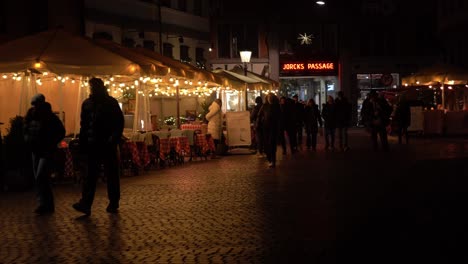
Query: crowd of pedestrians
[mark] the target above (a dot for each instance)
(277, 121)
(282, 121)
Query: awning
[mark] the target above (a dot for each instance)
(62, 53)
(239, 81)
(256, 76)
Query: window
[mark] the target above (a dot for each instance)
(166, 3)
(364, 44)
(102, 35)
(200, 58)
(184, 54)
(237, 37)
(2, 21)
(182, 5)
(128, 42)
(38, 16)
(167, 50)
(197, 7)
(148, 44)
(224, 49)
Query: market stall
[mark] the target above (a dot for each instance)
(236, 87)
(57, 65)
(448, 87)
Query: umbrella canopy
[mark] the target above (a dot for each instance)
(194, 73)
(188, 70)
(149, 65)
(62, 53)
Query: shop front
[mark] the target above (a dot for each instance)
(380, 82)
(309, 79)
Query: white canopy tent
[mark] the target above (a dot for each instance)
(58, 64)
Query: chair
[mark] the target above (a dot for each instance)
(190, 134)
(79, 166)
(126, 160)
(198, 146)
(154, 151)
(176, 133)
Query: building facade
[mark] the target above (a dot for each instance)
(452, 30)
(179, 29)
(382, 41)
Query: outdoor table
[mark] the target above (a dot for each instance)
(130, 152)
(180, 145)
(434, 122)
(191, 126)
(456, 122)
(143, 153)
(204, 143)
(164, 148)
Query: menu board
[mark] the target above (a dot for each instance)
(238, 128)
(417, 119)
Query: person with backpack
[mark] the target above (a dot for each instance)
(102, 124)
(43, 131)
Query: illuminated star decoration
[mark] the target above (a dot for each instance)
(305, 39)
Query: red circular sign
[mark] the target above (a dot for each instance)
(386, 79)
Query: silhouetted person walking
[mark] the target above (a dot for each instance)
(376, 114)
(43, 130)
(298, 119)
(329, 117)
(101, 129)
(258, 126)
(312, 120)
(343, 120)
(270, 114)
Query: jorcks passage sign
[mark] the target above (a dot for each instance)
(309, 68)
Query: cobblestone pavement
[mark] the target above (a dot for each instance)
(314, 207)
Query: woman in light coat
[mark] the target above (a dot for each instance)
(215, 122)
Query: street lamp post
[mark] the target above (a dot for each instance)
(245, 58)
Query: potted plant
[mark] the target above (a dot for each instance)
(18, 165)
(205, 109)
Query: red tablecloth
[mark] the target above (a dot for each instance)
(137, 152)
(143, 153)
(68, 166)
(179, 144)
(164, 147)
(205, 143)
(191, 126)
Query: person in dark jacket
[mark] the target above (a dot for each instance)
(312, 120)
(102, 124)
(343, 120)
(288, 125)
(329, 117)
(258, 126)
(376, 114)
(43, 131)
(270, 114)
(298, 119)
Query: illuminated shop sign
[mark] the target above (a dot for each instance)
(309, 68)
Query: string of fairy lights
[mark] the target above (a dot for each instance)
(124, 87)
